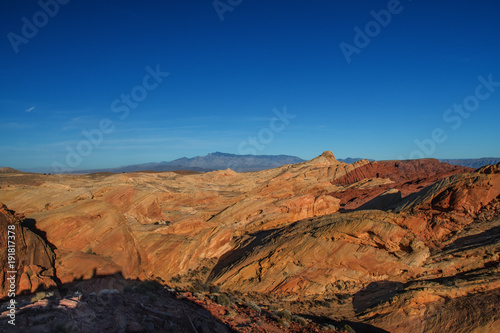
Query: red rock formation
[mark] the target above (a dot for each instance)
(452, 203)
(406, 176)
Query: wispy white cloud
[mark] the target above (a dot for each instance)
(29, 109)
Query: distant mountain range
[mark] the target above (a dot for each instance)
(217, 161)
(474, 163)
(243, 163)
(211, 162)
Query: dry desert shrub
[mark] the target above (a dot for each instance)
(38, 296)
(223, 300)
(253, 306)
(299, 320)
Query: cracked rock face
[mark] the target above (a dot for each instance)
(33, 258)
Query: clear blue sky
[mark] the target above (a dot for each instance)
(227, 76)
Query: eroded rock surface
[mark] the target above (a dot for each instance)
(386, 244)
(33, 259)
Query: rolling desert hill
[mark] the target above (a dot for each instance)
(9, 170)
(387, 246)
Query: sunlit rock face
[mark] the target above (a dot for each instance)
(375, 234)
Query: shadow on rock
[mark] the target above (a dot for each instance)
(473, 241)
(109, 304)
(375, 293)
(343, 324)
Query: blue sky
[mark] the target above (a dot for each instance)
(228, 79)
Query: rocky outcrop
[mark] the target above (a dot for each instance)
(321, 256)
(92, 238)
(33, 259)
(400, 171)
(372, 179)
(457, 288)
(442, 209)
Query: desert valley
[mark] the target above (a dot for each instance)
(250, 166)
(317, 246)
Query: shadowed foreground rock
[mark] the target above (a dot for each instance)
(34, 259)
(114, 304)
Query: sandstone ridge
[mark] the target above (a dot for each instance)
(350, 241)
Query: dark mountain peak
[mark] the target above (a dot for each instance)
(218, 153)
(239, 163)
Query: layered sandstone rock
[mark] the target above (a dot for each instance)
(91, 238)
(452, 203)
(134, 223)
(277, 232)
(33, 257)
(323, 255)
